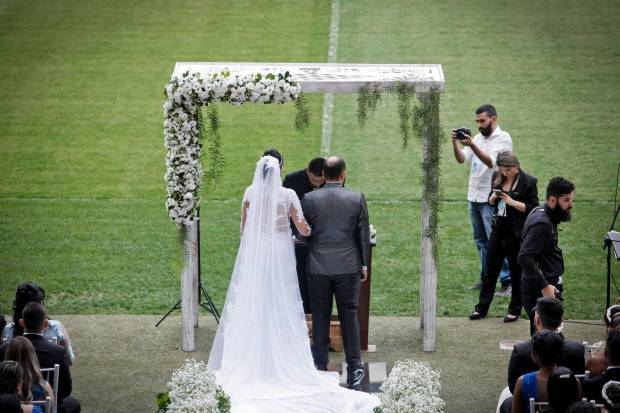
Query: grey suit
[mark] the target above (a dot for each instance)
(339, 247)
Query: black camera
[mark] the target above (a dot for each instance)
(462, 133)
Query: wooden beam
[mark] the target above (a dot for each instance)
(330, 77)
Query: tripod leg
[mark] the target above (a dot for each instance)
(174, 307)
(210, 305)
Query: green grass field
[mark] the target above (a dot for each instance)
(81, 139)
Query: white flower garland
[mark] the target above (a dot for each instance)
(411, 387)
(193, 389)
(184, 97)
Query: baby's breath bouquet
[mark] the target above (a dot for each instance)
(193, 390)
(411, 387)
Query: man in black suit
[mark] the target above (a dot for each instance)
(540, 257)
(34, 321)
(548, 315)
(304, 181)
(337, 263)
(592, 387)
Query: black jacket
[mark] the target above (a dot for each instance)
(525, 191)
(299, 182)
(540, 257)
(340, 238)
(521, 362)
(592, 387)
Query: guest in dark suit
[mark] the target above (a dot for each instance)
(592, 387)
(2, 322)
(514, 194)
(337, 263)
(548, 315)
(34, 321)
(304, 181)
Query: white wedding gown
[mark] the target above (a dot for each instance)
(261, 353)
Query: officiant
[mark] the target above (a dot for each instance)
(304, 181)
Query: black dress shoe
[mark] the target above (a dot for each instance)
(510, 318)
(354, 380)
(476, 315)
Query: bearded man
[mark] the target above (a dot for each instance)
(540, 257)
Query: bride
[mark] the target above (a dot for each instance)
(261, 353)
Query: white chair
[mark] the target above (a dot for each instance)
(54, 383)
(536, 407)
(582, 377)
(45, 404)
(591, 349)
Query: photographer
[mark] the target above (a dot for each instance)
(514, 194)
(540, 257)
(481, 151)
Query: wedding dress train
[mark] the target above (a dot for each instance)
(261, 353)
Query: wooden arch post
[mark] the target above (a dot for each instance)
(327, 78)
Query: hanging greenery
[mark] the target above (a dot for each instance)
(421, 120)
(425, 123)
(367, 100)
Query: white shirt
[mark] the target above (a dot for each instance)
(480, 175)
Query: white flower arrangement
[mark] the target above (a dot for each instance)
(184, 97)
(411, 387)
(193, 389)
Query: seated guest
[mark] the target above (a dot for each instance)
(9, 403)
(548, 315)
(33, 386)
(11, 382)
(34, 322)
(592, 387)
(546, 349)
(26, 293)
(597, 363)
(582, 406)
(563, 389)
(611, 396)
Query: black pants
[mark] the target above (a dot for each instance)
(346, 288)
(530, 295)
(502, 244)
(301, 254)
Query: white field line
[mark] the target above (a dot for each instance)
(328, 99)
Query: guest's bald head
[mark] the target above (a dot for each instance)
(334, 168)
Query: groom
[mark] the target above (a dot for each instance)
(336, 264)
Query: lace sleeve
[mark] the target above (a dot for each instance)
(296, 213)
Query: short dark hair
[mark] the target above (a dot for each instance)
(334, 169)
(315, 166)
(34, 316)
(547, 346)
(274, 152)
(10, 403)
(612, 347)
(562, 389)
(559, 186)
(488, 109)
(11, 375)
(550, 311)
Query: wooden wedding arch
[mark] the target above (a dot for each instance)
(327, 78)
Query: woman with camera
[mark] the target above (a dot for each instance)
(514, 194)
